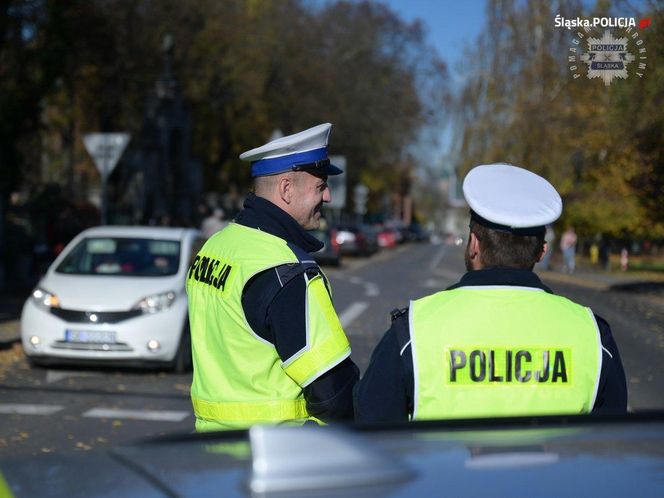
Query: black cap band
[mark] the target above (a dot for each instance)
(524, 231)
(323, 167)
(323, 163)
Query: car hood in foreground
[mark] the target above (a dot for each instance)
(107, 293)
(571, 456)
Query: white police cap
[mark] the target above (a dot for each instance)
(509, 198)
(303, 151)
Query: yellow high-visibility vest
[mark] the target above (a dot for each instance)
(239, 379)
(502, 351)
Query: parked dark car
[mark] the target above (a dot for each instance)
(415, 233)
(357, 240)
(330, 254)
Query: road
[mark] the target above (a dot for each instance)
(62, 410)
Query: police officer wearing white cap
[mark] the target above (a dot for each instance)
(498, 342)
(267, 344)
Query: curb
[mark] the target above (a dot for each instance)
(565, 278)
(604, 282)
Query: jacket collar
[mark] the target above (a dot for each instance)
(261, 214)
(501, 276)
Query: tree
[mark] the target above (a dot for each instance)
(246, 68)
(522, 105)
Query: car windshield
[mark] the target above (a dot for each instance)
(114, 256)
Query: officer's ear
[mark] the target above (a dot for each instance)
(473, 251)
(545, 247)
(285, 188)
(473, 244)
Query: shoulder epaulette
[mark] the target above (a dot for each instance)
(396, 312)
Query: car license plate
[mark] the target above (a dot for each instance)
(91, 336)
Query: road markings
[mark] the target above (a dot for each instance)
(432, 283)
(354, 264)
(352, 312)
(436, 260)
(161, 415)
(371, 289)
(454, 275)
(56, 375)
(25, 409)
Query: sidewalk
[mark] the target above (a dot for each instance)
(11, 304)
(594, 278)
(10, 333)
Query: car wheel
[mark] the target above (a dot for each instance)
(182, 363)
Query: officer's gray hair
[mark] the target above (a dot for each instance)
(265, 186)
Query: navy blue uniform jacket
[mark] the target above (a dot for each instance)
(274, 305)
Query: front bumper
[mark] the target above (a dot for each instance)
(130, 344)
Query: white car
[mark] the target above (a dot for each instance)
(114, 295)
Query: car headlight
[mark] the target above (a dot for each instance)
(155, 302)
(344, 236)
(45, 299)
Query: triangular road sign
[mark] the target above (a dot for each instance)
(106, 149)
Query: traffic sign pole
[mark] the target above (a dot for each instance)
(104, 178)
(106, 150)
(360, 194)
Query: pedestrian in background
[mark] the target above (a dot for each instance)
(267, 345)
(624, 259)
(568, 248)
(594, 253)
(498, 342)
(213, 223)
(550, 238)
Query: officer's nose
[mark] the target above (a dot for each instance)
(327, 195)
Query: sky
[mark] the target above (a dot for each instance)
(451, 25)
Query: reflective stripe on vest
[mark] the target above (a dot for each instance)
(502, 351)
(239, 377)
(266, 411)
(324, 350)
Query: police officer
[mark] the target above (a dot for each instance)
(267, 345)
(498, 342)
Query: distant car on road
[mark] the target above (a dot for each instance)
(415, 233)
(114, 295)
(388, 237)
(330, 254)
(453, 239)
(357, 240)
